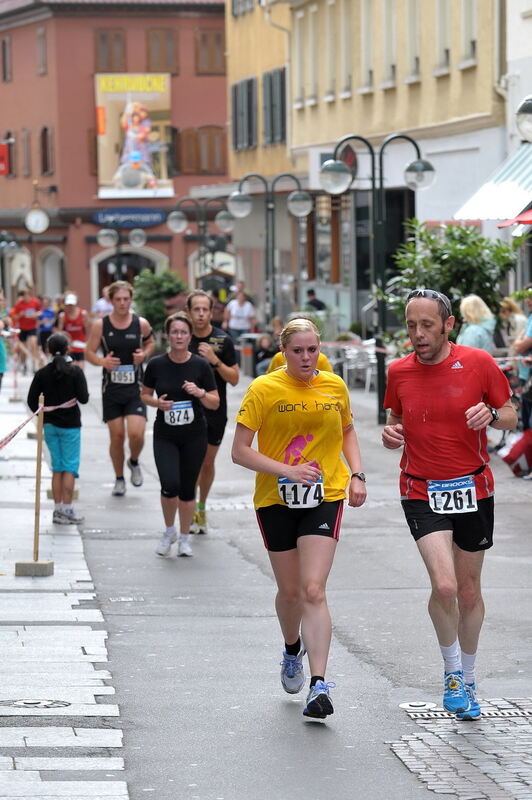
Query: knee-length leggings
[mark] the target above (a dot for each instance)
(179, 464)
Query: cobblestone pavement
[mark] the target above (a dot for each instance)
(486, 759)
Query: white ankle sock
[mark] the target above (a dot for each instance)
(58, 506)
(184, 537)
(170, 530)
(451, 657)
(468, 663)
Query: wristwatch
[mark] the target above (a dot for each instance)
(359, 475)
(494, 414)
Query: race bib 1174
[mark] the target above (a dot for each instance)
(300, 495)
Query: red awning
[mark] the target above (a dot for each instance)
(525, 218)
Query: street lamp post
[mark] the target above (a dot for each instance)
(336, 178)
(110, 237)
(177, 220)
(8, 244)
(299, 205)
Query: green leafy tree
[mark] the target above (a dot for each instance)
(453, 259)
(151, 290)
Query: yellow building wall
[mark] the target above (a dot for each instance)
(460, 101)
(254, 47)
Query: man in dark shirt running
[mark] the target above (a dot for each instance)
(216, 346)
(126, 341)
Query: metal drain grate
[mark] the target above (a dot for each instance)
(488, 712)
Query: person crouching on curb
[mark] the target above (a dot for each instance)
(60, 381)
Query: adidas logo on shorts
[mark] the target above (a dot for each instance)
(325, 527)
(484, 541)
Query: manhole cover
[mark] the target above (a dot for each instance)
(35, 703)
(417, 705)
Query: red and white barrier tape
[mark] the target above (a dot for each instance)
(69, 404)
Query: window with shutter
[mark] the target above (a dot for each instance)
(9, 138)
(189, 151)
(252, 112)
(26, 153)
(210, 52)
(42, 60)
(46, 151)
(162, 50)
(211, 148)
(7, 74)
(267, 108)
(234, 116)
(110, 50)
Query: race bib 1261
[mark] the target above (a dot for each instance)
(453, 496)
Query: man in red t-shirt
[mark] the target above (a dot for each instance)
(24, 314)
(441, 399)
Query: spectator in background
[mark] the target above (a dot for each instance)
(46, 321)
(24, 315)
(103, 305)
(218, 309)
(514, 321)
(313, 304)
(239, 318)
(522, 346)
(479, 324)
(266, 349)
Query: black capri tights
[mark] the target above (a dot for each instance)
(178, 465)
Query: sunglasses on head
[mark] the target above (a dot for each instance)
(432, 295)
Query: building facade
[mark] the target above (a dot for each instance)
(431, 69)
(111, 112)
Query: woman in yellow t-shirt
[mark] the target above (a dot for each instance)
(302, 418)
(278, 361)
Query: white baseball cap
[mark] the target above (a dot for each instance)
(70, 299)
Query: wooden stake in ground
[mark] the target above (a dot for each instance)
(36, 568)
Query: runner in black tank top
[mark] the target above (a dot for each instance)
(126, 340)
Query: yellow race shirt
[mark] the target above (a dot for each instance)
(278, 360)
(297, 423)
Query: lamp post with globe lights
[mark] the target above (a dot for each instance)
(336, 178)
(523, 118)
(111, 237)
(299, 204)
(178, 222)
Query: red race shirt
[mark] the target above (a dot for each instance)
(26, 313)
(432, 400)
(75, 327)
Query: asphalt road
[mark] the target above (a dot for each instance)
(194, 644)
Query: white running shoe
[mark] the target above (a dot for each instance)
(119, 488)
(72, 516)
(136, 473)
(59, 518)
(292, 672)
(184, 548)
(167, 540)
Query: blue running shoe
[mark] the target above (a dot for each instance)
(455, 697)
(473, 712)
(292, 672)
(319, 703)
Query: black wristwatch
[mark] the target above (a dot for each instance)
(359, 475)
(494, 414)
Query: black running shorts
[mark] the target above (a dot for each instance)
(215, 429)
(114, 407)
(472, 531)
(281, 526)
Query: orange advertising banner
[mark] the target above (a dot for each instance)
(100, 120)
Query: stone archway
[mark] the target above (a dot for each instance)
(124, 264)
(51, 271)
